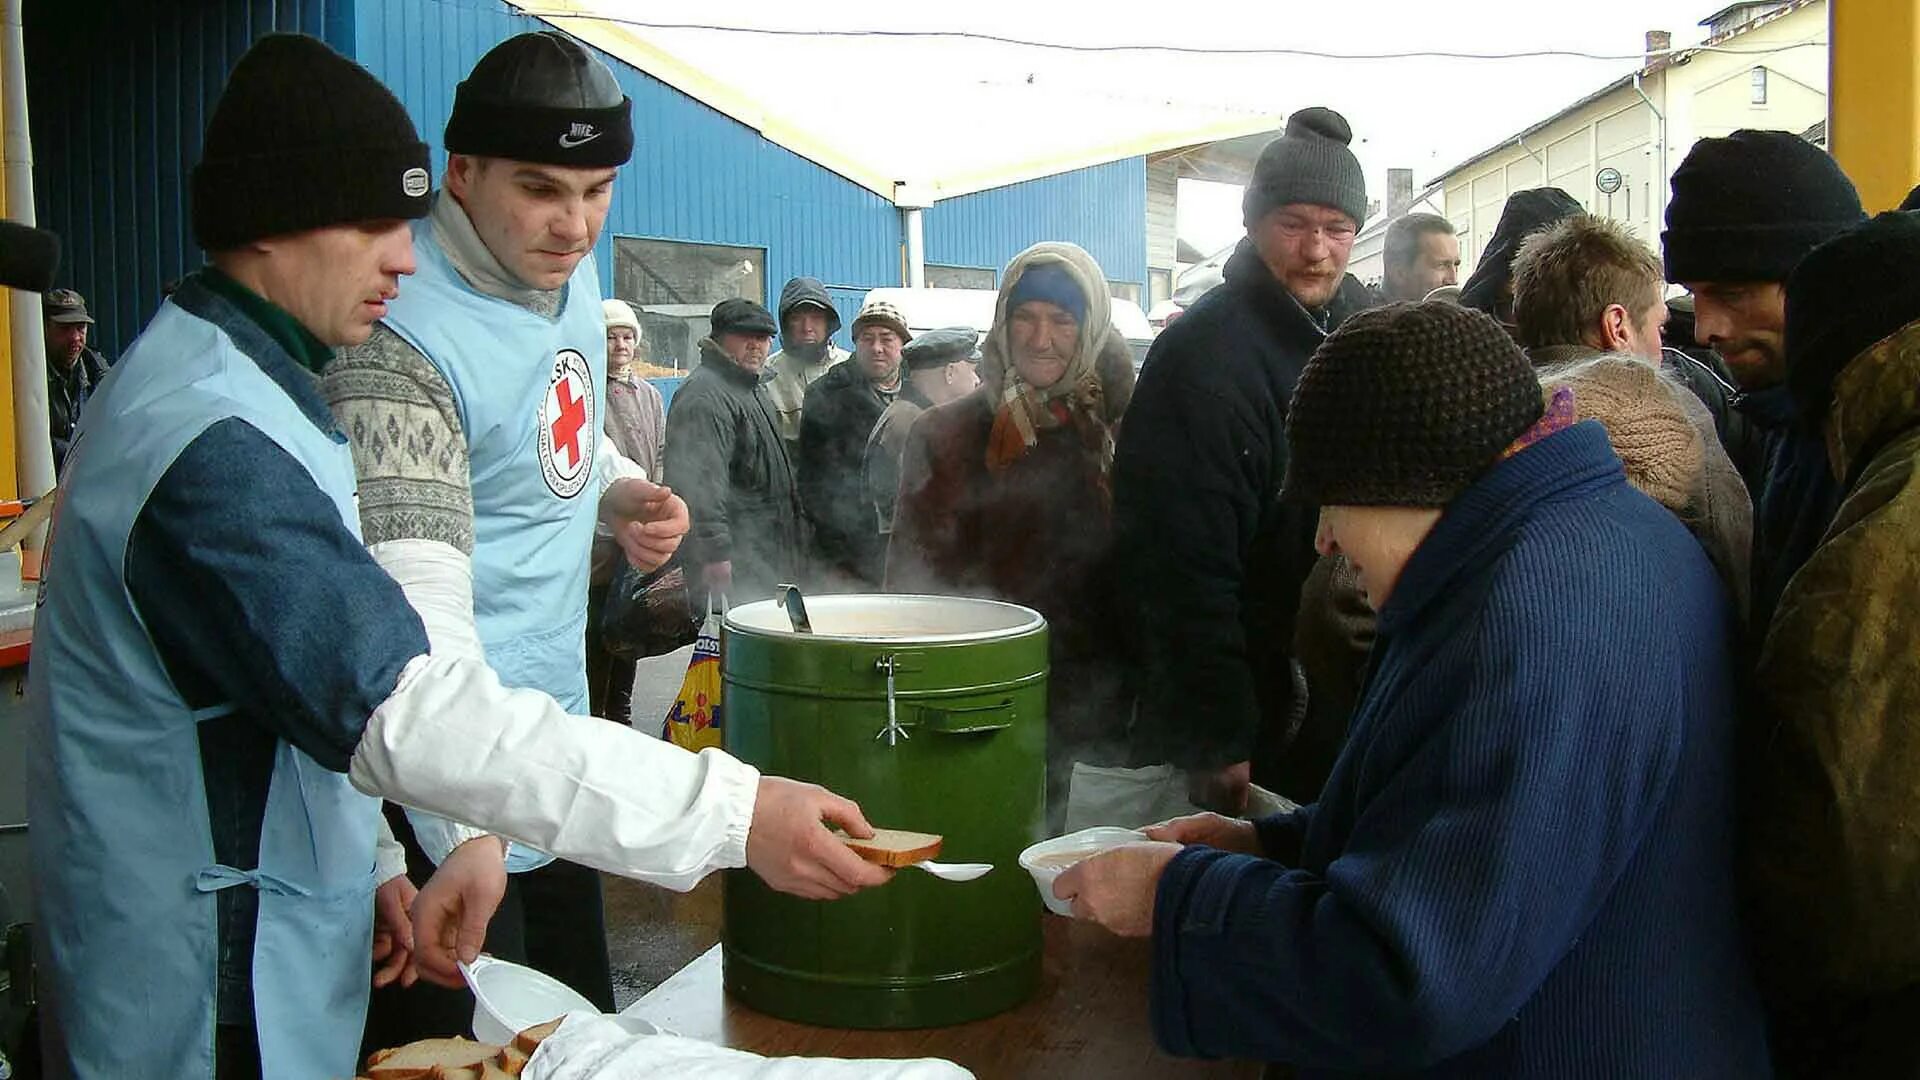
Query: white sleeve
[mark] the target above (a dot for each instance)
(453, 741)
(610, 466)
(437, 579)
(389, 858)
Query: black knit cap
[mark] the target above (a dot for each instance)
(1407, 405)
(303, 138)
(542, 97)
(1749, 206)
(1846, 295)
(738, 315)
(1309, 163)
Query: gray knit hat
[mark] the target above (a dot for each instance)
(1407, 405)
(1310, 163)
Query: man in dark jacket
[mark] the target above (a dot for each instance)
(726, 459)
(1210, 560)
(838, 414)
(73, 370)
(1832, 846)
(942, 366)
(1744, 210)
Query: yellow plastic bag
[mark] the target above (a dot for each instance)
(694, 721)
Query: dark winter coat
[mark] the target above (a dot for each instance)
(880, 467)
(1523, 863)
(1332, 639)
(67, 393)
(726, 459)
(1832, 831)
(1038, 535)
(840, 410)
(1795, 502)
(1209, 561)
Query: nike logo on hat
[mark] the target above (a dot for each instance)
(579, 135)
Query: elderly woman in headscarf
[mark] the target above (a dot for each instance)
(1005, 493)
(1522, 865)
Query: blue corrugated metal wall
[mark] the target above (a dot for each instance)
(118, 98)
(1102, 208)
(696, 174)
(117, 120)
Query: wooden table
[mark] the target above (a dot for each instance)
(1089, 1019)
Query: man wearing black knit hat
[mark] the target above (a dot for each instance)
(1744, 210)
(226, 682)
(1832, 849)
(1212, 561)
(475, 416)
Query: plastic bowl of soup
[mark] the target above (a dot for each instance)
(1048, 859)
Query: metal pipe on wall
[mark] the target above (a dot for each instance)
(916, 247)
(1657, 212)
(33, 450)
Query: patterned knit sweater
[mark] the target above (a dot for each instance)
(1522, 863)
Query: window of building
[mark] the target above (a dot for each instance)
(959, 277)
(1160, 285)
(1124, 290)
(1759, 85)
(673, 286)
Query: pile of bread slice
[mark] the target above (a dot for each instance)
(457, 1059)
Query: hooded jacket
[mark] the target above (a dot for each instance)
(731, 467)
(1833, 840)
(1526, 213)
(790, 375)
(1035, 532)
(1208, 560)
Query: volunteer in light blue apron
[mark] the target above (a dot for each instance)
(500, 334)
(225, 682)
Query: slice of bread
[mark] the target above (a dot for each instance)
(513, 1060)
(895, 847)
(529, 1040)
(430, 1057)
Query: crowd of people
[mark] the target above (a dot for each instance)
(1582, 646)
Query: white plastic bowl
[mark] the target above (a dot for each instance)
(509, 998)
(1086, 843)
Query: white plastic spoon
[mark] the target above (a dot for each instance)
(954, 871)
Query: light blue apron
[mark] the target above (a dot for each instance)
(124, 869)
(530, 390)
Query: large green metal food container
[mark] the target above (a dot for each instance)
(965, 758)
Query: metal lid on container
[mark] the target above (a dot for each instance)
(890, 619)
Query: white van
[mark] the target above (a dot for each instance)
(933, 309)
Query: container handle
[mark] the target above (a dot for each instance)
(893, 732)
(972, 720)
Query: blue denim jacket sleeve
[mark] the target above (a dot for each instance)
(253, 589)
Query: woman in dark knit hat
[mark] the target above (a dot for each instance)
(1006, 492)
(1522, 864)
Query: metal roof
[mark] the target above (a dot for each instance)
(941, 128)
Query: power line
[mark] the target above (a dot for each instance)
(1188, 50)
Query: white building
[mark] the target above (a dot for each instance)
(1763, 65)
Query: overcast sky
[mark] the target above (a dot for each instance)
(1427, 114)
